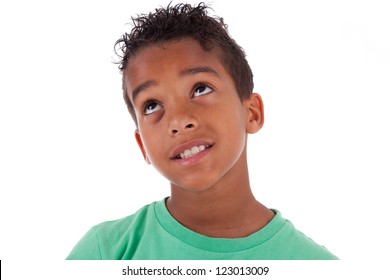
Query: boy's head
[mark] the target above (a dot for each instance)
(189, 89)
(185, 21)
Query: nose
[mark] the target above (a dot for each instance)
(182, 122)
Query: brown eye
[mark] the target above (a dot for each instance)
(201, 90)
(150, 107)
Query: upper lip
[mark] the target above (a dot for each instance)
(181, 148)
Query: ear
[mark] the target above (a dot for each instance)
(141, 146)
(255, 109)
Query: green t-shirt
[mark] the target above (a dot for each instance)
(152, 233)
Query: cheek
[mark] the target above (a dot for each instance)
(150, 143)
(234, 129)
(232, 117)
(151, 150)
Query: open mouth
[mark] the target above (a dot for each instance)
(193, 151)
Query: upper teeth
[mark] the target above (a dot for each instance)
(193, 151)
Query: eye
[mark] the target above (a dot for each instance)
(201, 90)
(150, 107)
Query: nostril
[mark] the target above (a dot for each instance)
(175, 131)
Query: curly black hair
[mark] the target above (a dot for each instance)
(185, 21)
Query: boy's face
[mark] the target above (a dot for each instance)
(192, 125)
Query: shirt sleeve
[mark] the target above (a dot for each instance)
(88, 248)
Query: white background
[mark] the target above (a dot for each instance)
(68, 159)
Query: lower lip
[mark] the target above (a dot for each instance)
(193, 160)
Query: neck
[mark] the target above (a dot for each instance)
(228, 209)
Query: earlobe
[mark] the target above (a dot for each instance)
(141, 146)
(255, 119)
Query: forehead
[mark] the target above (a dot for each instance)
(172, 57)
(186, 49)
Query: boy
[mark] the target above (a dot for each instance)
(189, 88)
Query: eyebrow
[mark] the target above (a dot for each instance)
(141, 88)
(196, 70)
(185, 72)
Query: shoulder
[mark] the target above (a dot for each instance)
(108, 239)
(296, 245)
(119, 226)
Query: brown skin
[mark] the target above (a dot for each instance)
(191, 100)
